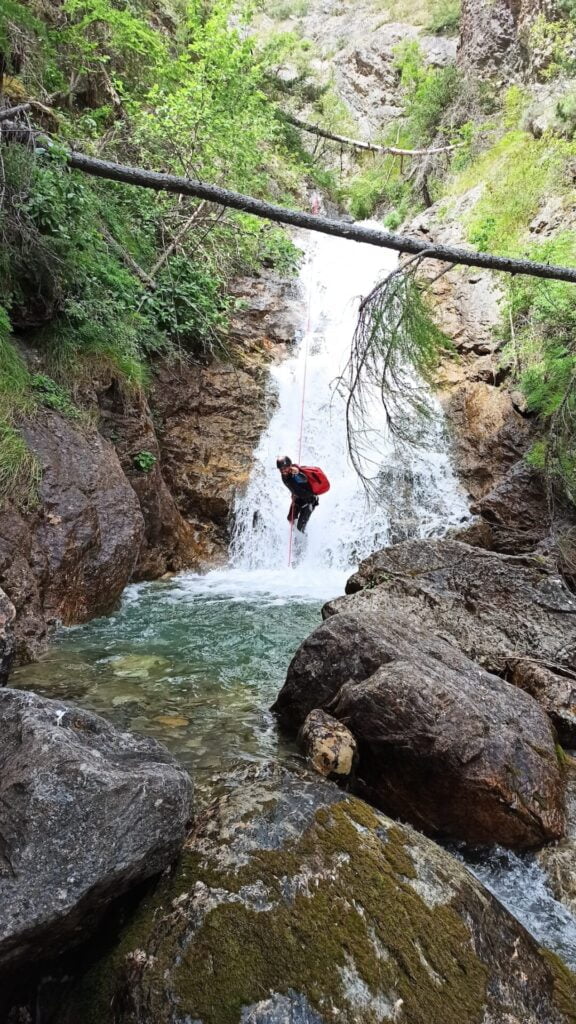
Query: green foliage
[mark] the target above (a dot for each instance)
(428, 93)
(194, 100)
(53, 395)
(553, 44)
(566, 111)
(379, 182)
(282, 9)
(541, 352)
(19, 470)
(516, 173)
(144, 461)
(445, 18)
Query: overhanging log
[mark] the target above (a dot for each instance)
(371, 147)
(283, 215)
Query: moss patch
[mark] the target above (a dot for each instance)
(237, 955)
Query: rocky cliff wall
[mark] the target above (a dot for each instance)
(102, 520)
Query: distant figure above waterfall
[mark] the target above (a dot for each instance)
(304, 483)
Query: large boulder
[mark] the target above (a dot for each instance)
(512, 615)
(71, 556)
(86, 812)
(295, 903)
(442, 743)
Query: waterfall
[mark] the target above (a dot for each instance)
(419, 494)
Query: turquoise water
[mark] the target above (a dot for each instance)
(195, 661)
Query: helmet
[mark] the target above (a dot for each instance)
(283, 462)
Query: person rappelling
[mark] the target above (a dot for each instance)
(305, 484)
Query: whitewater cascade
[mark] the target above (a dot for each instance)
(420, 495)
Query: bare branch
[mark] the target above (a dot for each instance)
(372, 147)
(10, 112)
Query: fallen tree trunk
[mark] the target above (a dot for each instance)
(371, 147)
(283, 215)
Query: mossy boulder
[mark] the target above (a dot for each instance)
(294, 902)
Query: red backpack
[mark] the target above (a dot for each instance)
(317, 479)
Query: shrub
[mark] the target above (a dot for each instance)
(144, 461)
(445, 18)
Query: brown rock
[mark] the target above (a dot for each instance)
(513, 615)
(170, 543)
(488, 434)
(328, 744)
(209, 422)
(71, 558)
(442, 743)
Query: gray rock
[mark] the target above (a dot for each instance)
(293, 904)
(7, 645)
(442, 743)
(513, 615)
(86, 812)
(559, 859)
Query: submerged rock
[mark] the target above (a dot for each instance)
(442, 743)
(328, 744)
(513, 615)
(86, 812)
(295, 903)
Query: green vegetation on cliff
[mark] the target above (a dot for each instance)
(97, 275)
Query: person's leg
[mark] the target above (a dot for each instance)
(303, 517)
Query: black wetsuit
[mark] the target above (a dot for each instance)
(303, 501)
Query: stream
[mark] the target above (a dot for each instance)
(197, 660)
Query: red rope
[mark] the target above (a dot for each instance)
(308, 325)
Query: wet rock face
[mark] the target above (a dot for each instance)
(489, 433)
(294, 903)
(71, 558)
(443, 744)
(86, 812)
(512, 615)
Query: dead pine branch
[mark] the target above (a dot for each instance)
(159, 182)
(370, 147)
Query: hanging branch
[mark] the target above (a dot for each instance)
(372, 147)
(393, 357)
(270, 211)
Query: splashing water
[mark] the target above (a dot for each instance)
(419, 494)
(197, 660)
